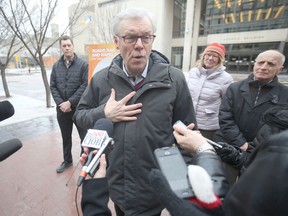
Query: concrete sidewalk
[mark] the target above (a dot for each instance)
(26, 108)
(27, 96)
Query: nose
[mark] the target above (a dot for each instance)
(264, 66)
(139, 43)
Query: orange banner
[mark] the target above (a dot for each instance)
(100, 56)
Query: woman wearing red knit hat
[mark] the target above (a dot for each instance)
(207, 83)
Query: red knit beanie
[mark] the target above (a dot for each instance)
(216, 48)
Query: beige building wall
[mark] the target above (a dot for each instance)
(83, 31)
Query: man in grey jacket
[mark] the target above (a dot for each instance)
(67, 83)
(143, 95)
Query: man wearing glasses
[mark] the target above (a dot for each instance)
(143, 95)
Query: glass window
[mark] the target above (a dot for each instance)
(179, 18)
(241, 57)
(237, 16)
(177, 57)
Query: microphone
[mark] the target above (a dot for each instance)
(214, 144)
(6, 110)
(96, 138)
(9, 147)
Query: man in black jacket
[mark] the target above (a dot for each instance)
(67, 83)
(242, 108)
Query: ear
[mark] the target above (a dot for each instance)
(116, 41)
(280, 69)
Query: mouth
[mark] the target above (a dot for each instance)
(210, 62)
(138, 57)
(261, 72)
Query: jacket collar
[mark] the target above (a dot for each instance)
(73, 60)
(256, 83)
(272, 95)
(158, 68)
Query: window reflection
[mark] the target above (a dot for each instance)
(224, 16)
(240, 15)
(177, 57)
(179, 18)
(228, 16)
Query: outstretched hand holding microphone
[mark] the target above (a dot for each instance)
(95, 194)
(101, 172)
(96, 142)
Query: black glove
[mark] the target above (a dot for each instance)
(231, 155)
(175, 205)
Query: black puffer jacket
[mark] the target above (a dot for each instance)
(69, 83)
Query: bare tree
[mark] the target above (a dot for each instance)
(9, 46)
(30, 21)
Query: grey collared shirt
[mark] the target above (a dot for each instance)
(138, 78)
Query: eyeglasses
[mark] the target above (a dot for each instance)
(211, 55)
(132, 39)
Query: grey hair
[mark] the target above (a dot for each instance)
(282, 57)
(133, 13)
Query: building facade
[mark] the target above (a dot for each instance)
(185, 27)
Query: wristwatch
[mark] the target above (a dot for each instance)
(205, 148)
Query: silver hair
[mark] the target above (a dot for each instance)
(282, 57)
(133, 13)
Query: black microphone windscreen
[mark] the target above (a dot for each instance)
(9, 147)
(104, 124)
(6, 110)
